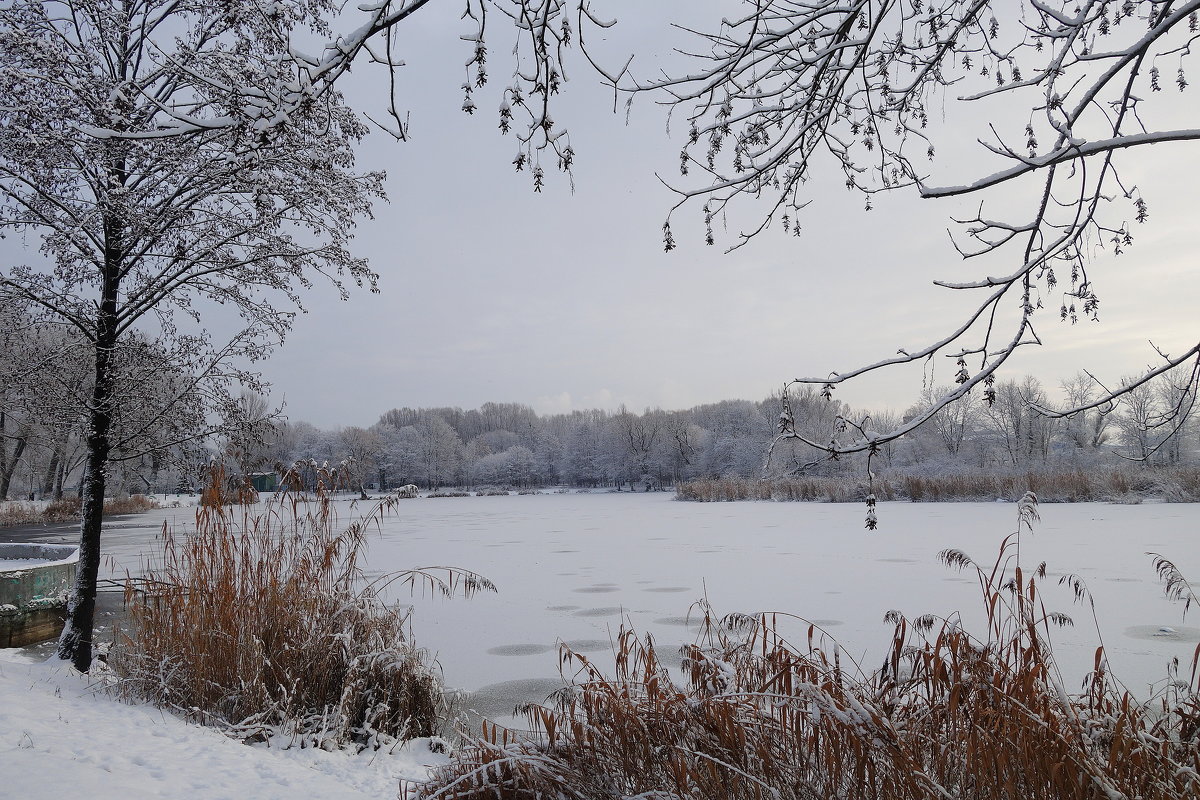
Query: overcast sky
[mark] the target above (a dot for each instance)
(565, 300)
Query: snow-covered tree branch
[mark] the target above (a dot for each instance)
(1061, 97)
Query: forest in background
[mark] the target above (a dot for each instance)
(509, 445)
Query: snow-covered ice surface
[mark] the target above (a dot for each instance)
(59, 737)
(573, 567)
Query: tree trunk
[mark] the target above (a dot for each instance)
(59, 478)
(8, 469)
(76, 640)
(51, 471)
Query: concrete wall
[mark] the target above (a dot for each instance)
(33, 598)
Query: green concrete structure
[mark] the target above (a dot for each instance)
(34, 582)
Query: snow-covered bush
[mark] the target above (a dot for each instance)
(262, 624)
(1180, 485)
(68, 509)
(980, 715)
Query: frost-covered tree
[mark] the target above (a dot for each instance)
(1060, 97)
(1023, 432)
(1177, 398)
(1086, 430)
(439, 453)
(140, 142)
(363, 448)
(171, 157)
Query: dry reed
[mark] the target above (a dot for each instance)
(1175, 484)
(830, 490)
(261, 623)
(68, 510)
(949, 715)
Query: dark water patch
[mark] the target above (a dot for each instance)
(520, 650)
(589, 645)
(669, 655)
(502, 699)
(692, 622)
(604, 611)
(595, 589)
(564, 551)
(563, 608)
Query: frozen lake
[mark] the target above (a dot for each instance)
(573, 567)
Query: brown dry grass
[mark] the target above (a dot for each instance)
(68, 509)
(1176, 484)
(950, 715)
(262, 624)
(830, 490)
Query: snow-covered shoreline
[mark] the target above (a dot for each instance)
(61, 735)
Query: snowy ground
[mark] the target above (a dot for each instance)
(59, 737)
(573, 567)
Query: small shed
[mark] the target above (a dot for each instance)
(264, 481)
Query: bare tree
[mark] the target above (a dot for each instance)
(175, 155)
(1024, 432)
(1177, 398)
(1138, 420)
(1063, 94)
(1086, 430)
(363, 447)
(439, 451)
(954, 423)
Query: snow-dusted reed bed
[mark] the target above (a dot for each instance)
(953, 711)
(37, 512)
(1174, 484)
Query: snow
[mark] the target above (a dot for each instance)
(60, 736)
(21, 563)
(572, 567)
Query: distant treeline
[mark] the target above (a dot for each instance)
(510, 445)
